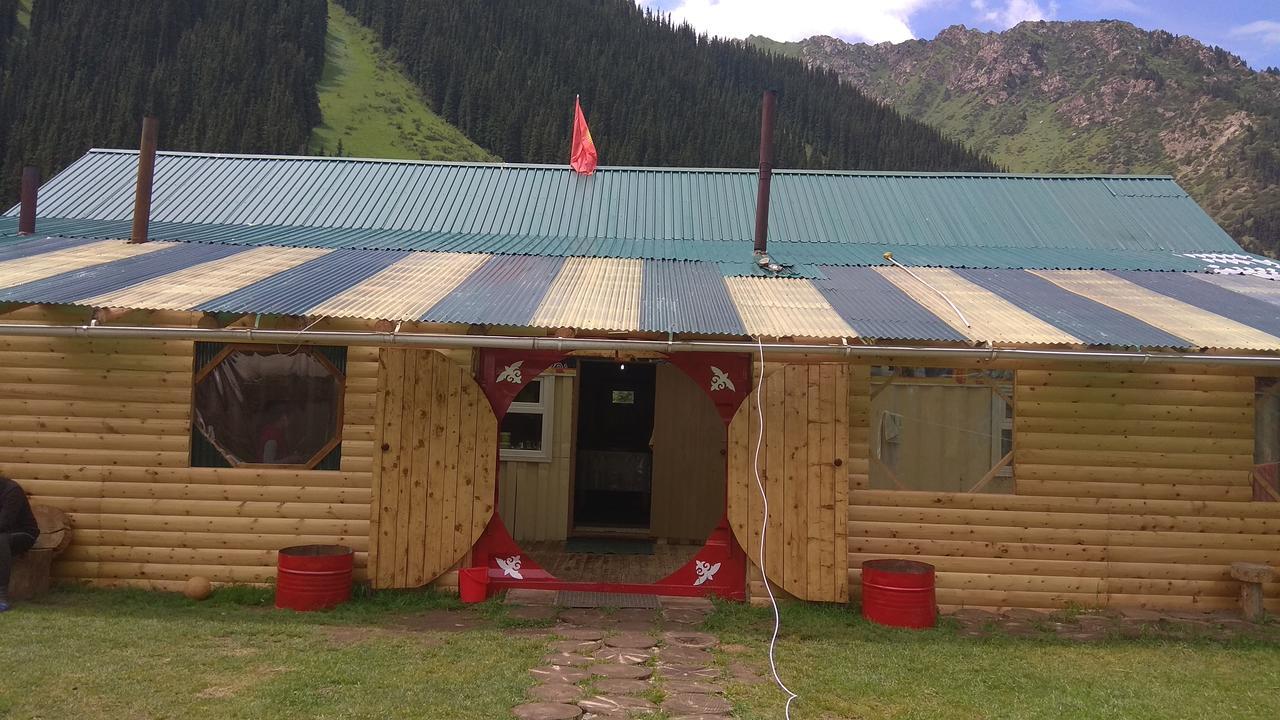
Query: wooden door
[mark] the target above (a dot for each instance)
(805, 469)
(433, 480)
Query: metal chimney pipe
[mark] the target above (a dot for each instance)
(146, 173)
(30, 188)
(766, 170)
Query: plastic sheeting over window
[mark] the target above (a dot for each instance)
(261, 406)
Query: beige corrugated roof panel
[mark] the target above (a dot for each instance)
(44, 265)
(405, 290)
(785, 307)
(593, 294)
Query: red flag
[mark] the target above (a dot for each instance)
(582, 154)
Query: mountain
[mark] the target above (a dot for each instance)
(1081, 97)
(505, 73)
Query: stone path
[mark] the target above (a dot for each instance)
(627, 663)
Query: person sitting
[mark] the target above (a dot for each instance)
(18, 531)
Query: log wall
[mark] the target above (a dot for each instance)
(1132, 489)
(101, 429)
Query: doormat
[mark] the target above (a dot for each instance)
(608, 546)
(582, 599)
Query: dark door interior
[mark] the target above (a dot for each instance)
(613, 478)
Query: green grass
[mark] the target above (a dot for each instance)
(99, 653)
(90, 654)
(373, 109)
(843, 667)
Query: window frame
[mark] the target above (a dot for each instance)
(339, 415)
(545, 407)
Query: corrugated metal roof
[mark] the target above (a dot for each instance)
(1201, 327)
(1092, 322)
(785, 307)
(991, 317)
(1255, 287)
(74, 286)
(1239, 307)
(736, 256)
(593, 294)
(21, 270)
(28, 247)
(198, 284)
(687, 297)
(876, 308)
(404, 290)
(297, 290)
(652, 204)
(505, 290)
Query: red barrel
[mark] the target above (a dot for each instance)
(899, 593)
(313, 577)
(473, 584)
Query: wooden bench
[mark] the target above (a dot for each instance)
(1251, 577)
(31, 575)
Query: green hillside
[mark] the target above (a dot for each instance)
(372, 109)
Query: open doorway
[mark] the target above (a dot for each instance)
(613, 478)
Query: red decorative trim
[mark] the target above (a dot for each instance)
(724, 377)
(504, 373)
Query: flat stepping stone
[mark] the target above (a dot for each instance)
(585, 616)
(576, 647)
(622, 686)
(668, 602)
(619, 671)
(626, 656)
(970, 616)
(696, 704)
(580, 633)
(532, 612)
(631, 640)
(690, 639)
(685, 617)
(701, 716)
(547, 711)
(613, 705)
(636, 614)
(687, 672)
(695, 687)
(556, 693)
(685, 655)
(567, 660)
(565, 675)
(643, 626)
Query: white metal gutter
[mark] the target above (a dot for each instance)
(397, 339)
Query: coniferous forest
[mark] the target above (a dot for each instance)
(241, 76)
(222, 75)
(506, 71)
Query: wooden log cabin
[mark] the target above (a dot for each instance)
(1058, 390)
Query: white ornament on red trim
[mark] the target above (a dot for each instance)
(706, 571)
(511, 373)
(510, 567)
(720, 380)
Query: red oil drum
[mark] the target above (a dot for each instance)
(899, 593)
(313, 577)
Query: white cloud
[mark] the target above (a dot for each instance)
(1268, 31)
(857, 20)
(1012, 12)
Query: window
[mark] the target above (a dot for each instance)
(257, 405)
(526, 430)
(942, 430)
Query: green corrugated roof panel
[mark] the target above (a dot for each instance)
(539, 209)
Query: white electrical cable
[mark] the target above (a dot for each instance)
(963, 319)
(764, 527)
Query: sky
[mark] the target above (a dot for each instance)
(1248, 28)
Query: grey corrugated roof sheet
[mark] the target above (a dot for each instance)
(876, 308)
